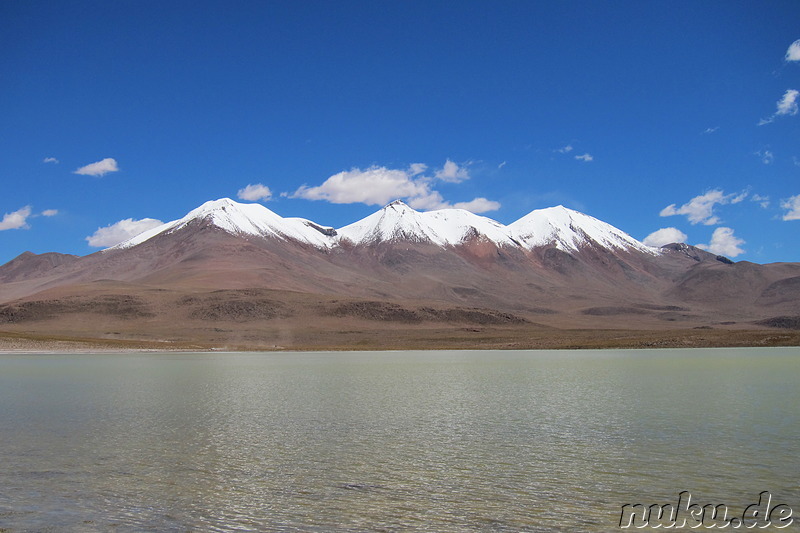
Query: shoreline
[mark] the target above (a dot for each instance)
(410, 340)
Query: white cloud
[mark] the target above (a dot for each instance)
(665, 236)
(766, 156)
(435, 201)
(700, 209)
(428, 202)
(380, 185)
(736, 198)
(121, 231)
(16, 220)
(792, 206)
(724, 242)
(710, 130)
(100, 168)
(373, 186)
(255, 192)
(787, 105)
(452, 173)
(501, 165)
(793, 53)
(50, 160)
(417, 168)
(478, 205)
(49, 212)
(763, 201)
(569, 148)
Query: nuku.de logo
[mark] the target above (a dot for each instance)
(692, 515)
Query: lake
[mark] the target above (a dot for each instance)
(391, 441)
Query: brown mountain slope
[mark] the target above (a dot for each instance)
(29, 265)
(202, 284)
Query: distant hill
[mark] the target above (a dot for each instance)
(239, 273)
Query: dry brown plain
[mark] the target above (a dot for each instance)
(107, 319)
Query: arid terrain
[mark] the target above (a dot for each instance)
(201, 287)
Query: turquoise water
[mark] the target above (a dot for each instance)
(391, 441)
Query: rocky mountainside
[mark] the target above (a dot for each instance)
(31, 265)
(554, 267)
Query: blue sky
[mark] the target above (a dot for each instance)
(673, 116)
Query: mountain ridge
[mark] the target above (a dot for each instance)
(231, 272)
(559, 226)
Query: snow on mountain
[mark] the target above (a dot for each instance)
(243, 219)
(443, 227)
(555, 226)
(457, 225)
(568, 230)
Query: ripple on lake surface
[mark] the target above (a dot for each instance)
(435, 441)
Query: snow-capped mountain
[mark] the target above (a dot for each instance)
(243, 219)
(568, 230)
(444, 227)
(558, 226)
(229, 270)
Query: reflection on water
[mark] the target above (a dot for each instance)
(438, 441)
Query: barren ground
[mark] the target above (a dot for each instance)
(111, 316)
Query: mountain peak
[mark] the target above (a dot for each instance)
(226, 202)
(557, 226)
(220, 205)
(244, 220)
(220, 202)
(399, 206)
(444, 227)
(396, 221)
(568, 230)
(557, 211)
